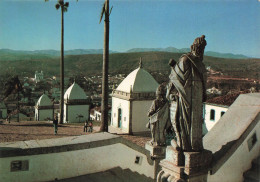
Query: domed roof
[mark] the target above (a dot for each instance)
(44, 101)
(140, 81)
(75, 92)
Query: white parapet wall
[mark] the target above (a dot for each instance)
(240, 161)
(235, 140)
(47, 160)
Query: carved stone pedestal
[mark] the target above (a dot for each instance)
(157, 153)
(184, 166)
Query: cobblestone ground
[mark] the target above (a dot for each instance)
(37, 130)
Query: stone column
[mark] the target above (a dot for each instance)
(184, 166)
(157, 153)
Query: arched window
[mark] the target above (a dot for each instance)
(212, 114)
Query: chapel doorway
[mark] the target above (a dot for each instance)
(119, 118)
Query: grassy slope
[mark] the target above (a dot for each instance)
(124, 63)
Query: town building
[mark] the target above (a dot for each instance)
(211, 114)
(95, 114)
(76, 104)
(44, 109)
(38, 76)
(131, 101)
(215, 108)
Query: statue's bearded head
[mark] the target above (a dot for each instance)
(198, 46)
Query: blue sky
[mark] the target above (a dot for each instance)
(230, 26)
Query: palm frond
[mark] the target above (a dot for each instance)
(66, 4)
(61, 2)
(57, 6)
(102, 12)
(110, 10)
(65, 9)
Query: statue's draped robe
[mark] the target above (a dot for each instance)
(159, 118)
(188, 77)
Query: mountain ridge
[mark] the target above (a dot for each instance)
(184, 50)
(9, 54)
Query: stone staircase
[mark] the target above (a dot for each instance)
(112, 175)
(253, 174)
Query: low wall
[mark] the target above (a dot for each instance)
(235, 140)
(47, 160)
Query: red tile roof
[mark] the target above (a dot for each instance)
(226, 100)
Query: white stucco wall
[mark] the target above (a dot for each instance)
(97, 115)
(139, 117)
(43, 114)
(47, 167)
(125, 107)
(207, 121)
(239, 162)
(74, 111)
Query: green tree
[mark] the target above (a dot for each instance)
(64, 8)
(14, 86)
(104, 103)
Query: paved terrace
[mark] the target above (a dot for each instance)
(35, 130)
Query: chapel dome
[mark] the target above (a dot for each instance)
(75, 92)
(44, 101)
(139, 80)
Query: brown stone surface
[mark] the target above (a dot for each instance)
(156, 151)
(169, 168)
(197, 161)
(139, 140)
(37, 130)
(174, 156)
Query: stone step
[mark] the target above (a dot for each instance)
(137, 177)
(256, 163)
(252, 176)
(112, 175)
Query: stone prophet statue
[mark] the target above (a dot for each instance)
(159, 117)
(186, 92)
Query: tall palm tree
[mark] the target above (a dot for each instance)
(104, 104)
(64, 8)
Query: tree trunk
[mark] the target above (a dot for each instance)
(18, 107)
(62, 67)
(104, 103)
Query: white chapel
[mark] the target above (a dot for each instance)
(76, 104)
(131, 101)
(44, 109)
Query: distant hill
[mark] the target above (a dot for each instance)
(226, 55)
(183, 50)
(10, 55)
(91, 64)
